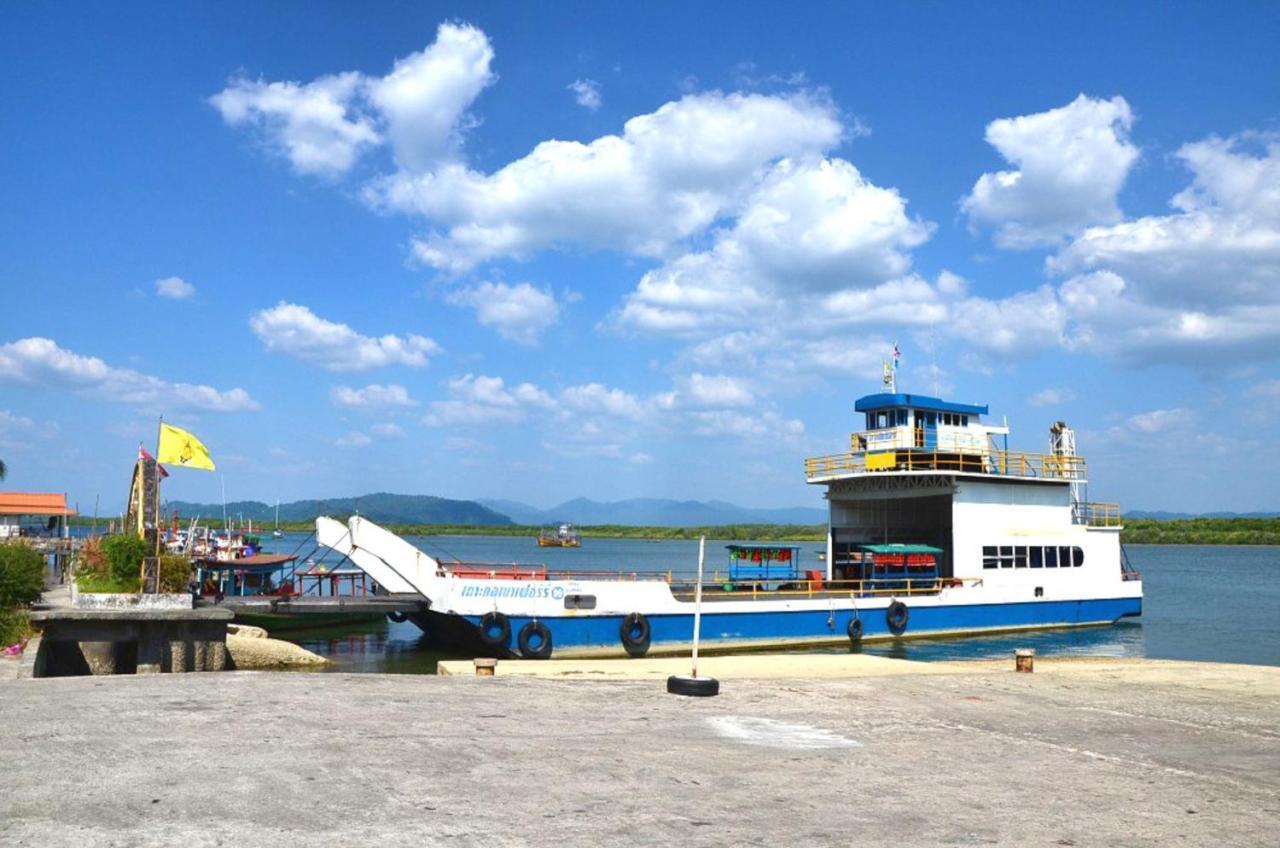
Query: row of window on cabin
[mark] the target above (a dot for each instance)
(1032, 556)
(898, 418)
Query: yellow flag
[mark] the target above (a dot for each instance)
(180, 447)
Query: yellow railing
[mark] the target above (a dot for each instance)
(901, 586)
(998, 463)
(1096, 514)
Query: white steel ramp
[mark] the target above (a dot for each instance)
(421, 571)
(336, 535)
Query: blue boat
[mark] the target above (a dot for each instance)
(935, 528)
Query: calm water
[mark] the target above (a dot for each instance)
(1218, 604)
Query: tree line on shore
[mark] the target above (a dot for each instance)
(1137, 531)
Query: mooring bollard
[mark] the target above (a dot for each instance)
(485, 666)
(1024, 659)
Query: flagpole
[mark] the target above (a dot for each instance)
(159, 427)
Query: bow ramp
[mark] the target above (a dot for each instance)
(422, 572)
(336, 535)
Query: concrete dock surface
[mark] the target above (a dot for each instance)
(1125, 753)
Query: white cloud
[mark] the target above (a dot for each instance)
(520, 313)
(810, 230)
(354, 439)
(586, 92)
(175, 288)
(668, 176)
(1160, 420)
(308, 123)
(1071, 164)
(325, 125)
(1222, 246)
(297, 331)
(425, 97)
(482, 400)
(18, 432)
(1051, 397)
(387, 430)
(596, 399)
(717, 390)
(41, 361)
(372, 395)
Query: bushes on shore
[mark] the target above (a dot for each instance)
(123, 555)
(21, 581)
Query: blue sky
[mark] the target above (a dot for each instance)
(537, 251)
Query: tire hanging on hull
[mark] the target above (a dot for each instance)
(534, 641)
(896, 617)
(495, 630)
(635, 633)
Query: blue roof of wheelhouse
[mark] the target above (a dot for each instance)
(932, 404)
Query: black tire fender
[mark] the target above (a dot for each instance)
(635, 633)
(697, 687)
(855, 630)
(397, 616)
(896, 616)
(525, 639)
(495, 629)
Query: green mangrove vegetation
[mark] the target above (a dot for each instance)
(1202, 531)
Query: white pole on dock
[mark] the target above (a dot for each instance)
(697, 602)
(693, 684)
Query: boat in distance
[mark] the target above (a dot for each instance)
(563, 536)
(935, 528)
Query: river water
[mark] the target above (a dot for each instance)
(1211, 603)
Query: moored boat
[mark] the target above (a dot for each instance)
(563, 536)
(935, 527)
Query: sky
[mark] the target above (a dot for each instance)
(545, 250)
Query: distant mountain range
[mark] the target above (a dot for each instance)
(391, 509)
(646, 512)
(654, 512)
(425, 509)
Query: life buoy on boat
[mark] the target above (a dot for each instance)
(534, 640)
(495, 629)
(896, 617)
(397, 616)
(855, 630)
(635, 634)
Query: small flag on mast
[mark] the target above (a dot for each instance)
(896, 355)
(181, 447)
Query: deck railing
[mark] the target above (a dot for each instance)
(1096, 514)
(992, 462)
(873, 588)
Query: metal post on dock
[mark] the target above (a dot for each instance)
(695, 685)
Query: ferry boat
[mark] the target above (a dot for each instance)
(935, 528)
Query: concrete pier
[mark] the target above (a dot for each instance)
(1089, 753)
(127, 641)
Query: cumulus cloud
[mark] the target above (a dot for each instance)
(586, 92)
(324, 126)
(175, 288)
(590, 419)
(810, 230)
(425, 97)
(1051, 397)
(668, 176)
(297, 331)
(387, 430)
(1160, 420)
(1222, 245)
(308, 123)
(519, 313)
(479, 400)
(372, 395)
(42, 361)
(354, 439)
(1071, 163)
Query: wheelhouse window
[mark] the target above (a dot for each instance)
(1037, 557)
(1006, 556)
(989, 557)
